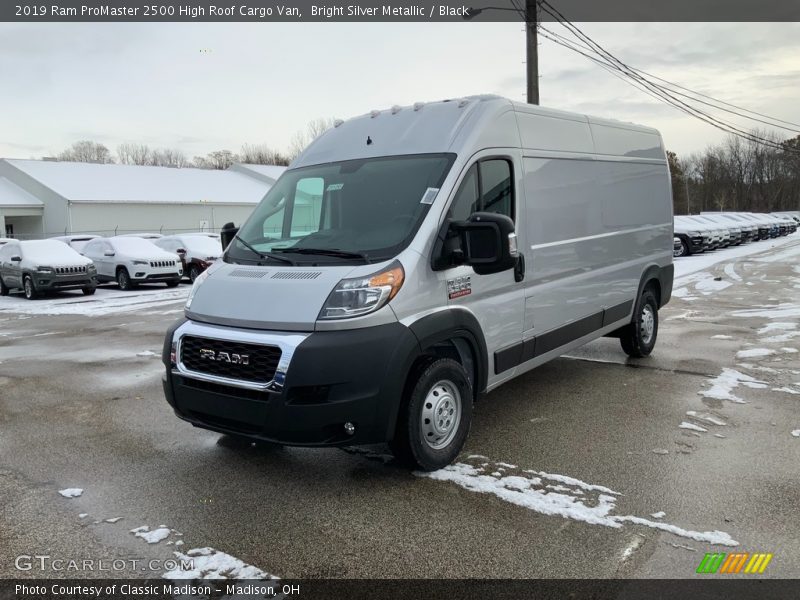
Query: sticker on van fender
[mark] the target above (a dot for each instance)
(458, 287)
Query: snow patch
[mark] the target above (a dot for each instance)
(528, 492)
(151, 537)
(731, 272)
(71, 492)
(114, 520)
(214, 564)
(786, 390)
(706, 417)
(692, 427)
(723, 385)
(146, 353)
(721, 337)
(796, 433)
(658, 515)
(754, 352)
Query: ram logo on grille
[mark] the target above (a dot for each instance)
(225, 357)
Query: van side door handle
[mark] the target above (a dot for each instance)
(519, 268)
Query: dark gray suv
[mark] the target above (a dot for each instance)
(40, 266)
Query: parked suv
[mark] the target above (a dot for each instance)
(196, 250)
(76, 242)
(131, 260)
(43, 266)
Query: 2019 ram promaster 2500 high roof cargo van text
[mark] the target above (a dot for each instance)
(413, 258)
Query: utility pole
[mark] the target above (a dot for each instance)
(532, 38)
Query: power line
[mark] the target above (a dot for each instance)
(692, 93)
(665, 95)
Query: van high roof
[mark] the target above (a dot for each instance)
(467, 124)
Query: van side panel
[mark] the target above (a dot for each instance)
(594, 224)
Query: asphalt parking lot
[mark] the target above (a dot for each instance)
(593, 465)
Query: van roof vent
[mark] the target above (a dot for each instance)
(251, 273)
(374, 113)
(337, 122)
(462, 103)
(296, 274)
(418, 106)
(396, 109)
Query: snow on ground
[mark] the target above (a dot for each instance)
(754, 352)
(723, 385)
(699, 262)
(151, 537)
(796, 433)
(531, 492)
(692, 427)
(214, 564)
(706, 417)
(782, 310)
(730, 271)
(106, 301)
(71, 492)
(721, 337)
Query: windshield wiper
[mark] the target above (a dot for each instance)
(264, 255)
(326, 252)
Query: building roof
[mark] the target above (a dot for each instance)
(13, 196)
(268, 173)
(88, 182)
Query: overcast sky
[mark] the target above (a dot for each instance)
(259, 83)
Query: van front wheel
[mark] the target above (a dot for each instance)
(435, 417)
(639, 338)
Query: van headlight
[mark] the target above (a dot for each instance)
(195, 286)
(363, 295)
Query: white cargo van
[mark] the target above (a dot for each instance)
(412, 259)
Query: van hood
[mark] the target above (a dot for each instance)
(279, 298)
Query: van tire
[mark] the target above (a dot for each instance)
(89, 290)
(439, 385)
(639, 337)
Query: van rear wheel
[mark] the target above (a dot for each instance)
(435, 416)
(639, 337)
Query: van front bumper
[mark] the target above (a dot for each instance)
(324, 380)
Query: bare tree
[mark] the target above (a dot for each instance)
(303, 138)
(134, 154)
(261, 154)
(221, 159)
(87, 151)
(169, 157)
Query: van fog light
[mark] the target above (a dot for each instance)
(349, 428)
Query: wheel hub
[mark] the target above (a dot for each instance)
(648, 323)
(441, 414)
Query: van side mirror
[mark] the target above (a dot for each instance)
(489, 242)
(16, 259)
(227, 233)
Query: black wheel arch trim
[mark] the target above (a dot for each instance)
(664, 276)
(450, 324)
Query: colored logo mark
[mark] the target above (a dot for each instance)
(738, 562)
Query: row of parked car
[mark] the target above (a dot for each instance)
(712, 230)
(83, 261)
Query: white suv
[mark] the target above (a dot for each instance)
(130, 261)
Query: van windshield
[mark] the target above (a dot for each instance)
(364, 210)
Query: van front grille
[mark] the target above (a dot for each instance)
(253, 363)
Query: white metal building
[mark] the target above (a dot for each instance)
(48, 198)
